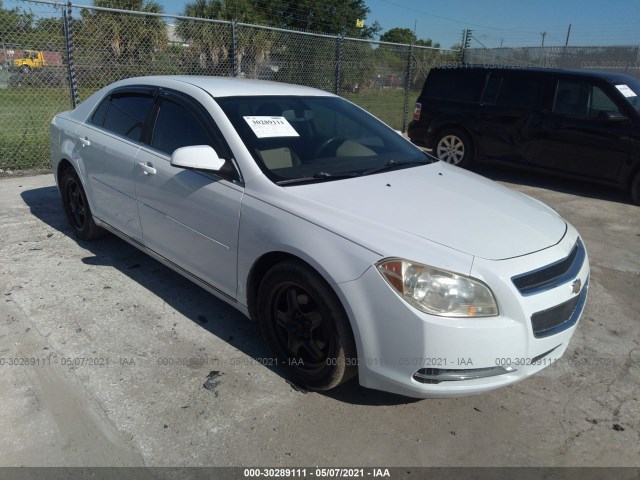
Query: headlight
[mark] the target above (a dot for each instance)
(438, 292)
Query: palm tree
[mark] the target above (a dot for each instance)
(130, 38)
(210, 43)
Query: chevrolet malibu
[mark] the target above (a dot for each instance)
(355, 252)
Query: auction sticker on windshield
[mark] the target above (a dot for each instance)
(626, 91)
(267, 127)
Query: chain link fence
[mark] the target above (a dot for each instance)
(33, 85)
(616, 59)
(58, 54)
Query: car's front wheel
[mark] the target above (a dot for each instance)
(76, 207)
(454, 147)
(306, 327)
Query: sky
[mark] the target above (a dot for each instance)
(494, 22)
(515, 22)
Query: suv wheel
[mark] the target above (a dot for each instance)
(454, 147)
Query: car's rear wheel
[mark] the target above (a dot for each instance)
(454, 147)
(76, 207)
(635, 188)
(306, 327)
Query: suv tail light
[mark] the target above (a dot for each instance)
(416, 111)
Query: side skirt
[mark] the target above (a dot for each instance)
(176, 268)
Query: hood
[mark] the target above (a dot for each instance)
(436, 202)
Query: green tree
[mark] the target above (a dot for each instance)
(51, 25)
(14, 20)
(330, 16)
(425, 54)
(399, 35)
(132, 39)
(210, 43)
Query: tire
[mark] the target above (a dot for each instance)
(306, 327)
(454, 147)
(76, 207)
(25, 69)
(634, 189)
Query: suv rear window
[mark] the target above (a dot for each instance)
(458, 84)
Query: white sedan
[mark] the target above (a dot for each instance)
(355, 252)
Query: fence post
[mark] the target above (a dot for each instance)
(234, 49)
(68, 40)
(407, 84)
(338, 72)
(4, 52)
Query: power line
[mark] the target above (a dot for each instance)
(448, 18)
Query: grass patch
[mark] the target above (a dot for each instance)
(25, 115)
(387, 105)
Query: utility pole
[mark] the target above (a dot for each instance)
(501, 41)
(566, 43)
(466, 43)
(544, 35)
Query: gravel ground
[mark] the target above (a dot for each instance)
(122, 347)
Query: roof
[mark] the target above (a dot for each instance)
(609, 76)
(232, 87)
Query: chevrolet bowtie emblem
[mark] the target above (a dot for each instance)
(576, 285)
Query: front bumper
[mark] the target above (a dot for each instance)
(405, 351)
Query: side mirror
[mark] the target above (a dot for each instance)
(197, 157)
(612, 116)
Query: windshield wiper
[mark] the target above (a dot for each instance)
(318, 177)
(391, 165)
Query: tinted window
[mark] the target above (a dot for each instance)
(491, 88)
(583, 99)
(464, 85)
(519, 91)
(601, 102)
(98, 116)
(127, 113)
(177, 127)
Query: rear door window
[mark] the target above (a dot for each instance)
(519, 91)
(491, 88)
(127, 113)
(98, 115)
(463, 85)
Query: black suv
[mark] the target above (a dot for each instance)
(569, 122)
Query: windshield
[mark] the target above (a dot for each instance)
(316, 138)
(631, 92)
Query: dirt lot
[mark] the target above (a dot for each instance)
(121, 347)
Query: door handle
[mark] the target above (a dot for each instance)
(147, 169)
(85, 142)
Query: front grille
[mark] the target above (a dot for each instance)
(556, 319)
(551, 275)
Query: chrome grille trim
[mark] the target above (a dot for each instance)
(552, 275)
